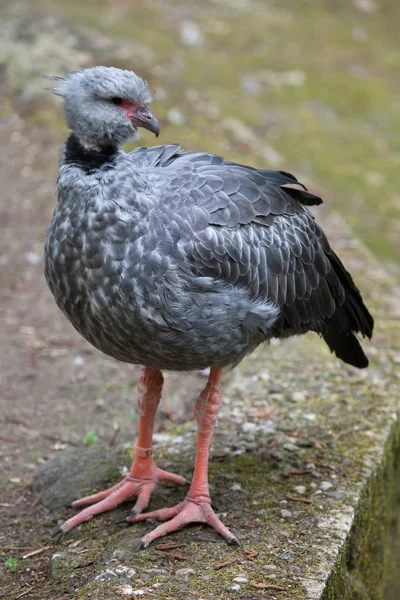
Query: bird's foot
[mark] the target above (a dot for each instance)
(188, 511)
(130, 487)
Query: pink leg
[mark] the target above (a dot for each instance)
(196, 508)
(144, 475)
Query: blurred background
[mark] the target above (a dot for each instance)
(308, 86)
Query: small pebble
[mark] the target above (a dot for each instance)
(335, 495)
(122, 570)
(33, 258)
(248, 427)
(326, 485)
(286, 514)
(184, 571)
(78, 361)
(300, 489)
(298, 396)
(127, 590)
(290, 447)
(235, 587)
(175, 117)
(191, 34)
(310, 416)
(241, 579)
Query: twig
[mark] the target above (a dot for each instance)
(318, 443)
(266, 413)
(170, 555)
(251, 554)
(117, 429)
(273, 443)
(9, 548)
(24, 593)
(227, 563)
(297, 472)
(267, 586)
(330, 467)
(19, 421)
(169, 546)
(35, 552)
(296, 499)
(83, 565)
(9, 438)
(5, 505)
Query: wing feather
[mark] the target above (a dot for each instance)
(253, 229)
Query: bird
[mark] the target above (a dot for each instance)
(181, 260)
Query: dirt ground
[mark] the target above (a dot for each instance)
(55, 388)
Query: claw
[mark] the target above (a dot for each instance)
(141, 545)
(58, 531)
(234, 541)
(133, 513)
(122, 522)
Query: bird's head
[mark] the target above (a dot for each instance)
(105, 106)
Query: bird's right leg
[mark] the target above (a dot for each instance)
(144, 475)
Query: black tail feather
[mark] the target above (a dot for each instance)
(350, 318)
(345, 346)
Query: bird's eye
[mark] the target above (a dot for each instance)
(117, 101)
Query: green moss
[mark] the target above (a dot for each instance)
(366, 565)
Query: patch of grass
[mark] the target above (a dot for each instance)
(12, 564)
(91, 438)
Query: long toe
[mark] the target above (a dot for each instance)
(172, 477)
(127, 489)
(163, 514)
(94, 498)
(111, 501)
(184, 513)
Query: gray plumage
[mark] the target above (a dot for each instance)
(181, 260)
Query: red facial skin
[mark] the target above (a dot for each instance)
(140, 116)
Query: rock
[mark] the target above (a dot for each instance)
(249, 427)
(240, 579)
(70, 475)
(335, 495)
(78, 361)
(184, 571)
(60, 565)
(300, 489)
(175, 117)
(298, 396)
(286, 514)
(191, 34)
(326, 485)
(33, 258)
(290, 447)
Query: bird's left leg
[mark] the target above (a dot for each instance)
(196, 508)
(144, 475)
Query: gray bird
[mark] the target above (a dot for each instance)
(182, 260)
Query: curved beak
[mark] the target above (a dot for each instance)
(143, 117)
